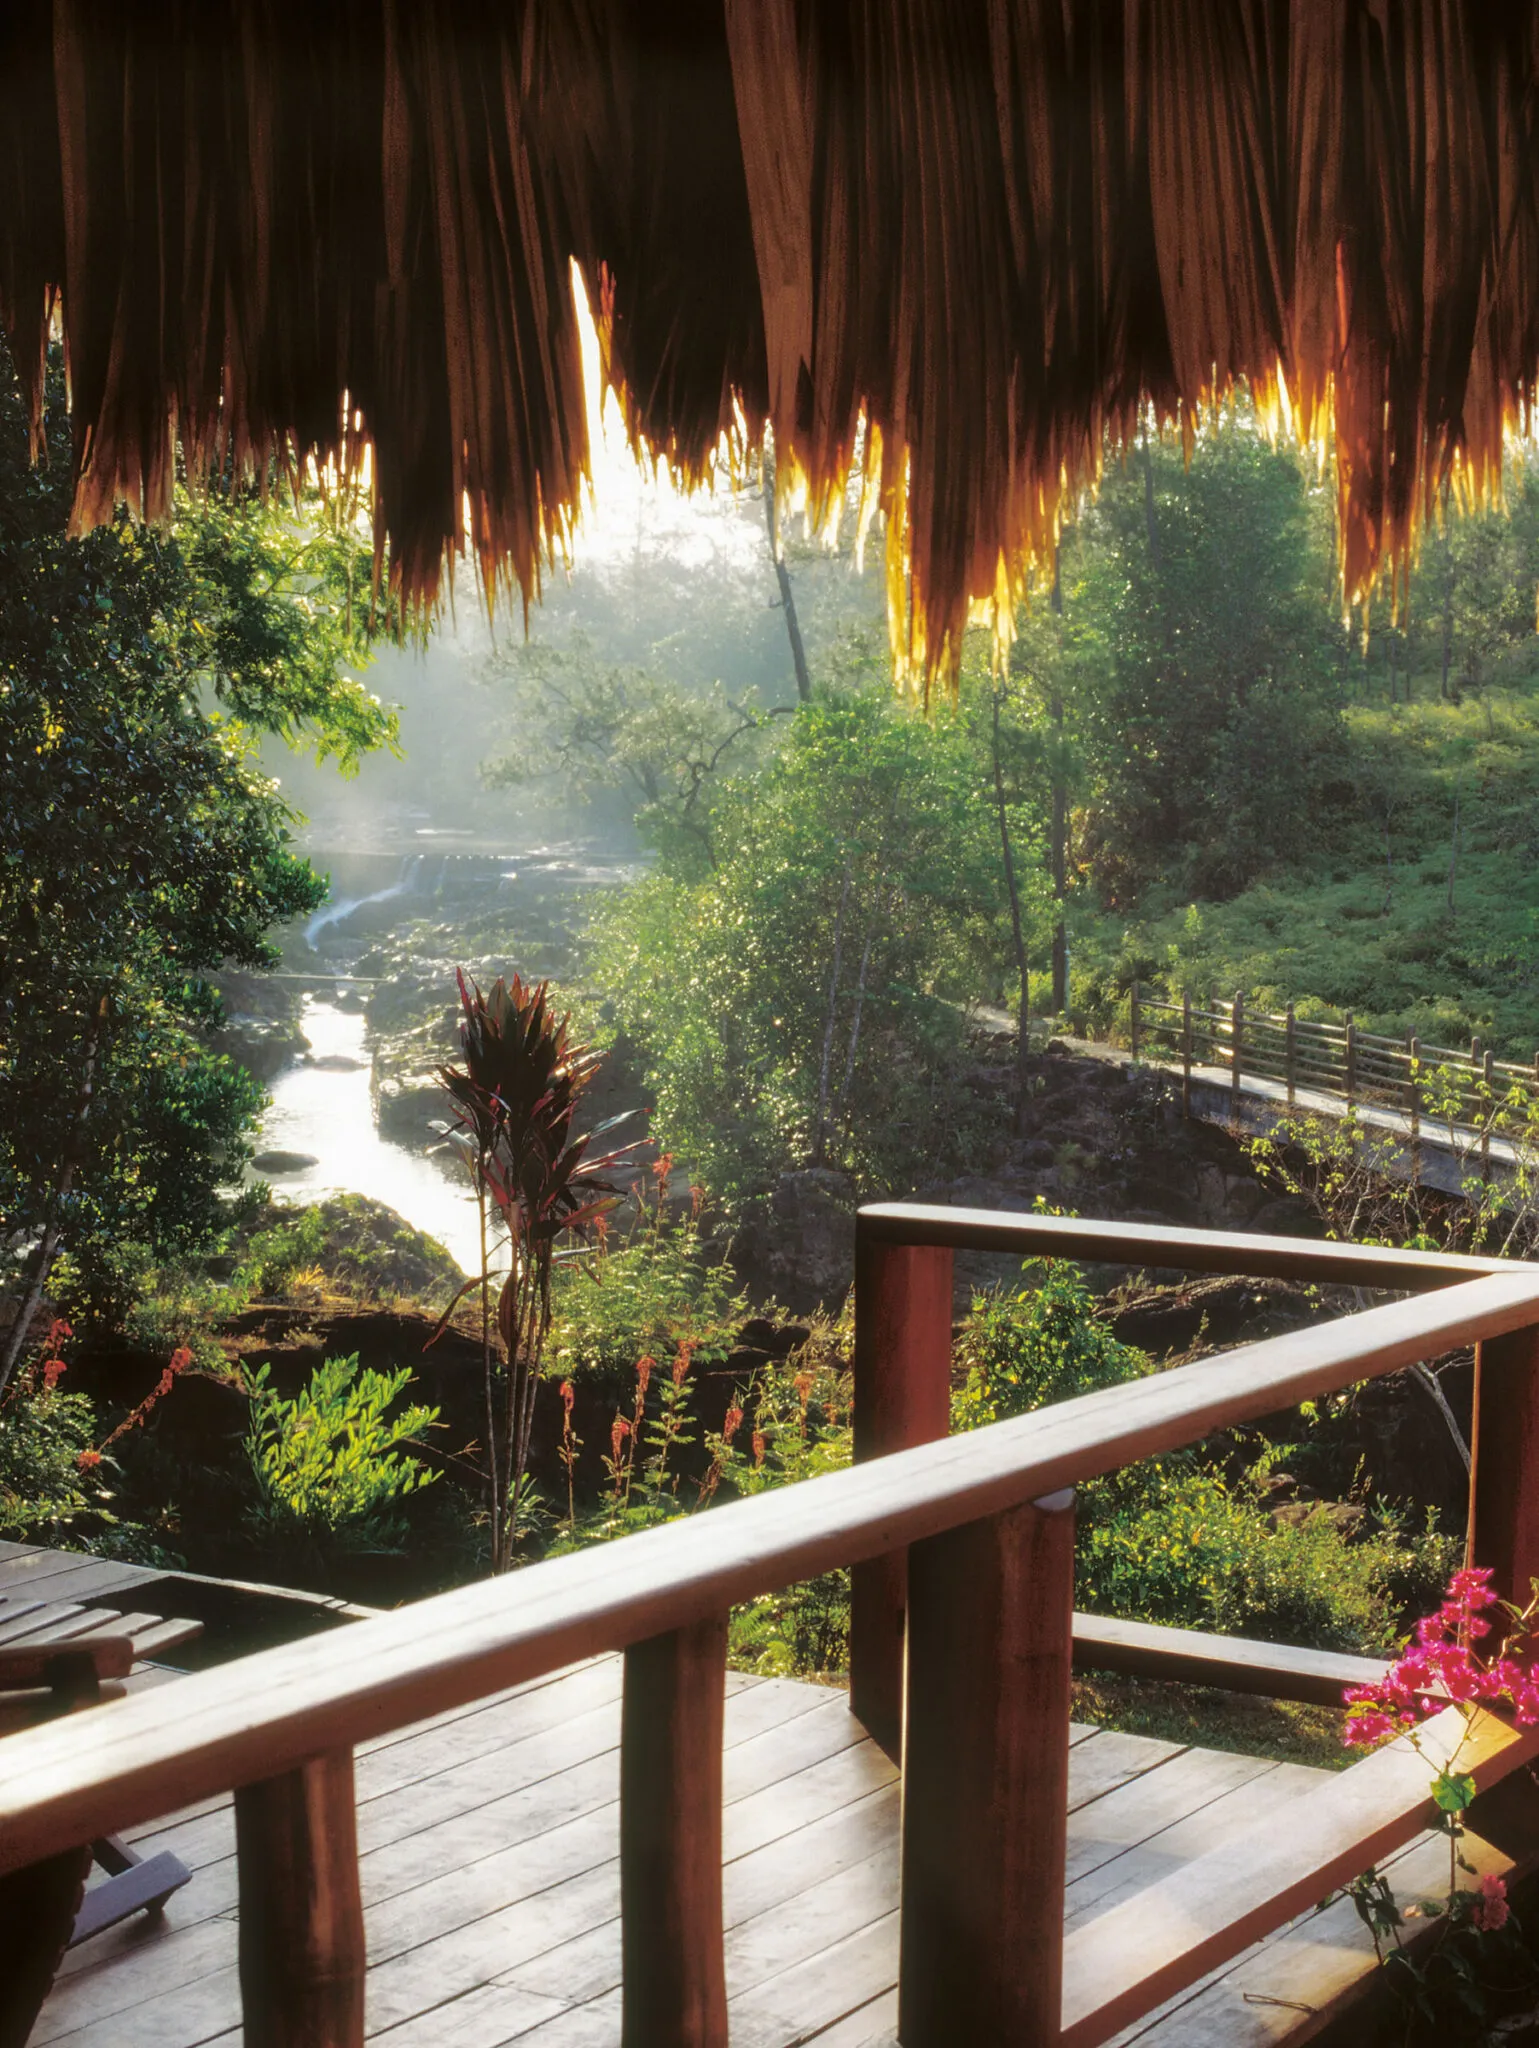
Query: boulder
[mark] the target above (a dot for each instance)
(800, 1245)
(284, 1162)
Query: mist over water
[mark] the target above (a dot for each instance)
(418, 842)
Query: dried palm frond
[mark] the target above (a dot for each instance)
(963, 244)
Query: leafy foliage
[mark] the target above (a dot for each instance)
(644, 1293)
(42, 1437)
(1191, 644)
(1174, 1539)
(1038, 1344)
(1172, 1542)
(800, 1001)
(143, 846)
(332, 1464)
(598, 727)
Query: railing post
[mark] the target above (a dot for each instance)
(1487, 1112)
(1133, 1024)
(675, 1987)
(1351, 1059)
(1290, 1052)
(1236, 1042)
(902, 1398)
(1477, 1061)
(1504, 1509)
(1413, 1047)
(301, 1915)
(985, 1781)
(1186, 1053)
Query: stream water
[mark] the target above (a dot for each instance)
(326, 1111)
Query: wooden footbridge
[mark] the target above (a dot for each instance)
(541, 1810)
(1431, 1113)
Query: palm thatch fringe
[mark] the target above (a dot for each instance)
(961, 245)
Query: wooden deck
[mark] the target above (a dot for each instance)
(26, 1569)
(488, 1843)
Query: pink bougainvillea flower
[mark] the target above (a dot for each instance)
(1490, 1911)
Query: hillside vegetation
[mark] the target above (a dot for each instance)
(1418, 912)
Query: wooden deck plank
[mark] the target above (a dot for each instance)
(72, 1575)
(1233, 1812)
(1140, 1808)
(1110, 1760)
(484, 2018)
(492, 1888)
(144, 1962)
(872, 2026)
(596, 2025)
(756, 1884)
(1212, 1909)
(1304, 1972)
(838, 1980)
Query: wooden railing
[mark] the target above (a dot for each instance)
(1474, 1091)
(964, 1545)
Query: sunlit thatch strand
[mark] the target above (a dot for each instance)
(965, 244)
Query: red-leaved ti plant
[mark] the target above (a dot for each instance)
(540, 1189)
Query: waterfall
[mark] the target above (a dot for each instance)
(333, 913)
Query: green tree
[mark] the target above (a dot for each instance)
(142, 847)
(801, 1001)
(1210, 666)
(602, 728)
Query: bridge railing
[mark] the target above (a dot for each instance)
(1470, 1090)
(963, 1549)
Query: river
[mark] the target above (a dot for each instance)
(326, 1110)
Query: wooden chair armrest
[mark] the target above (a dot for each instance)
(44, 1663)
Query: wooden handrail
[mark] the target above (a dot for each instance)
(985, 1517)
(269, 1713)
(1154, 1245)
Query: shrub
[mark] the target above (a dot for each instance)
(799, 1429)
(292, 1243)
(1037, 1345)
(639, 1296)
(42, 1437)
(331, 1466)
(1171, 1542)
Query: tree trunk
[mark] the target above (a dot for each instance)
(1023, 1017)
(860, 1003)
(1447, 626)
(828, 1028)
(48, 1245)
(783, 578)
(1058, 849)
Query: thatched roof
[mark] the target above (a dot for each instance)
(997, 229)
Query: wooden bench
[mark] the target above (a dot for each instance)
(56, 1658)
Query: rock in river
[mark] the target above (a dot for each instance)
(284, 1162)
